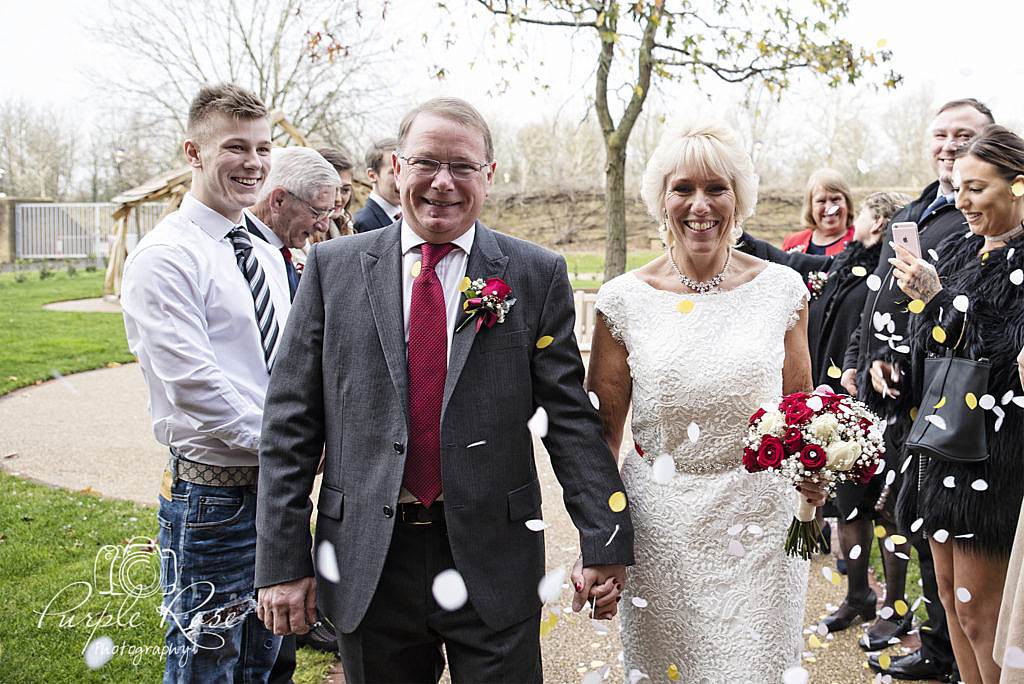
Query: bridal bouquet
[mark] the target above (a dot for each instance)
(818, 437)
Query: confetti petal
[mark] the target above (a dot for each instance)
(979, 485)
(636, 675)
(734, 530)
(971, 400)
(949, 482)
(933, 254)
(890, 477)
(886, 612)
(901, 607)
(617, 502)
(855, 552)
(835, 372)
(859, 271)
(942, 402)
(862, 166)
(673, 672)
(755, 530)
(464, 285)
(537, 525)
(832, 211)
(99, 652)
(614, 532)
(476, 444)
(664, 469)
(815, 404)
(550, 586)
(939, 335)
(963, 594)
(416, 269)
(1007, 398)
(916, 306)
(594, 401)
(940, 536)
(638, 602)
(449, 589)
(987, 401)
(916, 525)
(693, 432)
(884, 660)
(874, 283)
(1000, 414)
(879, 531)
(796, 675)
(936, 420)
(538, 424)
(736, 548)
(1017, 276)
(898, 539)
(685, 306)
(853, 514)
(544, 340)
(961, 303)
(327, 562)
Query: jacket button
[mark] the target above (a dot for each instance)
(389, 512)
(399, 447)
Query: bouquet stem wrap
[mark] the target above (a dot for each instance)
(804, 535)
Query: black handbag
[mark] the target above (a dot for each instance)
(948, 380)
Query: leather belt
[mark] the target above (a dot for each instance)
(212, 475)
(418, 514)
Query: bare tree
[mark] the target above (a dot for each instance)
(313, 59)
(38, 150)
(732, 40)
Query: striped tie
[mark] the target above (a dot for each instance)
(266, 321)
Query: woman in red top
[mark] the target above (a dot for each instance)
(827, 214)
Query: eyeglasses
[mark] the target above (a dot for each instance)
(429, 167)
(318, 214)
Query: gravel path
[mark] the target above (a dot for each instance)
(92, 430)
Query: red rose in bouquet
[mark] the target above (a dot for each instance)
(813, 456)
(793, 440)
(771, 452)
(750, 461)
(756, 417)
(799, 413)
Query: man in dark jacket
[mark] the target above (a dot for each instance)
(804, 264)
(382, 206)
(875, 361)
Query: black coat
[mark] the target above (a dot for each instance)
(995, 330)
(834, 314)
(371, 217)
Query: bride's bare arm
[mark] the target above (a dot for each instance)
(608, 377)
(796, 370)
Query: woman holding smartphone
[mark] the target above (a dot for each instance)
(972, 300)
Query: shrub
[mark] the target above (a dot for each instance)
(45, 272)
(72, 271)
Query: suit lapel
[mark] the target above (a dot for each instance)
(485, 261)
(382, 272)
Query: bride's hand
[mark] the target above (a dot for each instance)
(814, 492)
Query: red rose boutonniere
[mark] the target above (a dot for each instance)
(486, 300)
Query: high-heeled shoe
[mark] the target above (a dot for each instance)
(851, 612)
(878, 635)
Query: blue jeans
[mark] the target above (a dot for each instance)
(213, 634)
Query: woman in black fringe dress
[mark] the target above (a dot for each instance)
(974, 302)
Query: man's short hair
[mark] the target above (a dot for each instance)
(375, 153)
(336, 159)
(300, 170)
(223, 98)
(453, 109)
(968, 102)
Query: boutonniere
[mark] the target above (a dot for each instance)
(816, 282)
(486, 300)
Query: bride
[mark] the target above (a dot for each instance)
(696, 340)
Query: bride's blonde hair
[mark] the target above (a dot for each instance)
(711, 148)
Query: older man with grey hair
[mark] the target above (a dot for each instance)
(295, 202)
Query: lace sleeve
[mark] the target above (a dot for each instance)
(610, 305)
(796, 296)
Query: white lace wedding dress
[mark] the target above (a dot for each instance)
(724, 602)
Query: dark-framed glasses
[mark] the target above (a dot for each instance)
(462, 170)
(318, 214)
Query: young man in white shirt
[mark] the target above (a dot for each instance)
(205, 305)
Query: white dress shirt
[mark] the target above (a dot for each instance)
(390, 209)
(450, 271)
(190, 319)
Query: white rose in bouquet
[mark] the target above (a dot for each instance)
(842, 455)
(823, 427)
(772, 423)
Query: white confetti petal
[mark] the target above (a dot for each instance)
(963, 594)
(614, 532)
(890, 546)
(961, 303)
(734, 530)
(755, 530)
(987, 402)
(979, 485)
(664, 469)
(902, 556)
(936, 420)
(1007, 398)
(890, 477)
(822, 629)
(636, 675)
(327, 562)
(916, 525)
(815, 404)
(1010, 252)
(881, 466)
(537, 525)
(940, 536)
(874, 283)
(933, 254)
(949, 482)
(476, 444)
(853, 514)
(906, 464)
(826, 572)
(832, 211)
(902, 349)
(99, 652)
(796, 675)
(862, 166)
(550, 586)
(693, 432)
(1014, 657)
(450, 590)
(886, 612)
(969, 535)
(1017, 276)
(736, 549)
(1019, 401)
(638, 602)
(594, 400)
(878, 321)
(855, 552)
(1000, 414)
(592, 677)
(538, 424)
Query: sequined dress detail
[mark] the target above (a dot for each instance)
(724, 602)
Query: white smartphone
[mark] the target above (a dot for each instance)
(904, 234)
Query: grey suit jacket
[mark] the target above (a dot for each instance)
(340, 381)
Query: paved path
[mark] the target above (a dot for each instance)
(93, 430)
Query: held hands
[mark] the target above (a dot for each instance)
(916, 277)
(815, 493)
(885, 377)
(600, 583)
(288, 608)
(849, 381)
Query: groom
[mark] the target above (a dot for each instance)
(429, 463)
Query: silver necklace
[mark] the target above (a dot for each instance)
(700, 286)
(1007, 236)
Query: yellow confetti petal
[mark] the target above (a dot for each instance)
(885, 660)
(544, 341)
(916, 306)
(879, 531)
(416, 269)
(685, 306)
(617, 502)
(971, 400)
(673, 672)
(859, 271)
(938, 334)
(835, 372)
(1017, 189)
(464, 285)
(913, 413)
(465, 305)
(942, 402)
(898, 539)
(837, 579)
(813, 641)
(901, 607)
(882, 42)
(984, 257)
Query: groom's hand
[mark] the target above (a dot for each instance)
(601, 583)
(289, 607)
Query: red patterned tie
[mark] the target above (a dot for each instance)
(428, 367)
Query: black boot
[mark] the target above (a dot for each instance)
(851, 612)
(910, 666)
(883, 631)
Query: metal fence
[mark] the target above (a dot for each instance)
(75, 230)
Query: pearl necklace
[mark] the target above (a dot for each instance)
(700, 286)
(1007, 236)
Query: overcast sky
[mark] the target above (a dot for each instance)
(956, 49)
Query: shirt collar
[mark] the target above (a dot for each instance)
(211, 223)
(411, 240)
(388, 207)
(268, 234)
